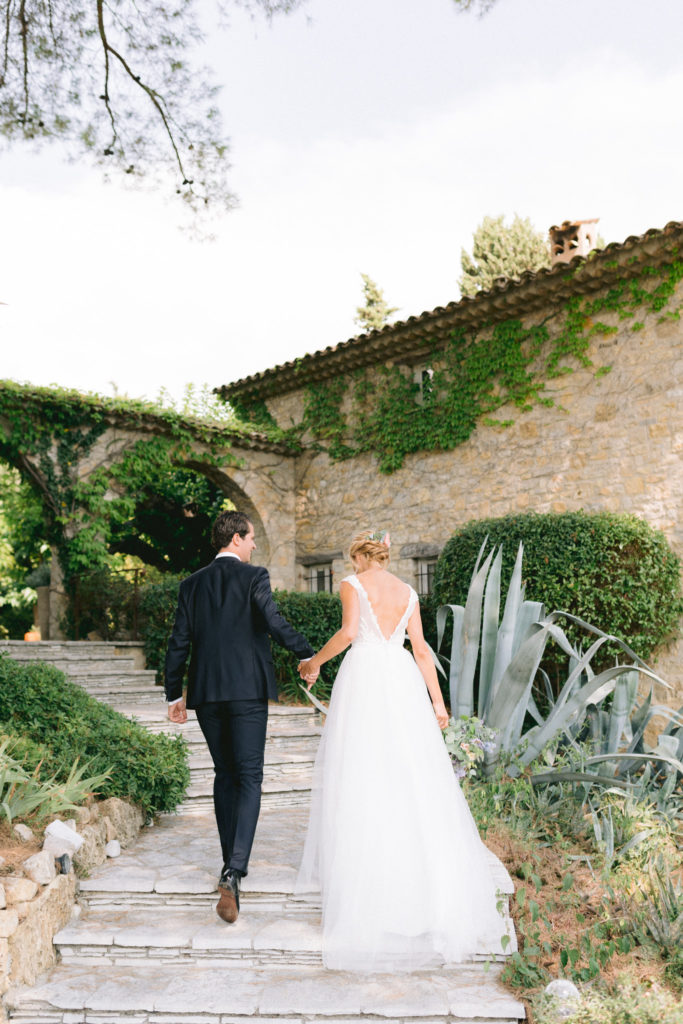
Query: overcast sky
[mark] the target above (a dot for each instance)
(367, 136)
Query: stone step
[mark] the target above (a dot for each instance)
(199, 800)
(183, 935)
(201, 778)
(80, 666)
(202, 994)
(132, 698)
(285, 728)
(44, 649)
(114, 677)
(302, 753)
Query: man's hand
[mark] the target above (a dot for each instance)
(308, 672)
(178, 712)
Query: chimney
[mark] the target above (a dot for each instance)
(572, 238)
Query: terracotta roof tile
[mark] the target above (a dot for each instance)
(408, 340)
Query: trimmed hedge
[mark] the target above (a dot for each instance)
(317, 616)
(157, 611)
(613, 570)
(57, 721)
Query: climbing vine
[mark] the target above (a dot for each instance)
(385, 411)
(49, 434)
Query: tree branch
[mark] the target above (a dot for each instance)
(5, 61)
(153, 96)
(24, 47)
(105, 95)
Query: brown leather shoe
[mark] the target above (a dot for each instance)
(228, 906)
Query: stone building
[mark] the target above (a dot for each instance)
(558, 390)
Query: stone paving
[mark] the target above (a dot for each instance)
(145, 944)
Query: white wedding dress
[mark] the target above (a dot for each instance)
(391, 843)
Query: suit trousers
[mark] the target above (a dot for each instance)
(235, 732)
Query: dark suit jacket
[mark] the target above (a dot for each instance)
(225, 613)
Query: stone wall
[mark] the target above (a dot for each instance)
(34, 909)
(612, 442)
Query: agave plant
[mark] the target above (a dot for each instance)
(509, 654)
(22, 794)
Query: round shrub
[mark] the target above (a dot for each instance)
(611, 569)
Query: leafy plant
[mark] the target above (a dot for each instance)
(626, 1002)
(65, 723)
(509, 655)
(467, 742)
(600, 567)
(23, 794)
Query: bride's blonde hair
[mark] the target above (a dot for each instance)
(368, 546)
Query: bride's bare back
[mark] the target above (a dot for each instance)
(388, 596)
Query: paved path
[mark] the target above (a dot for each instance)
(145, 944)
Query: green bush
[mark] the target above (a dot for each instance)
(613, 570)
(317, 616)
(625, 1002)
(58, 722)
(156, 614)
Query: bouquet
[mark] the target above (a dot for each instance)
(467, 741)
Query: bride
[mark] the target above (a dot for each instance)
(391, 843)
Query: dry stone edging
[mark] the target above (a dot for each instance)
(148, 948)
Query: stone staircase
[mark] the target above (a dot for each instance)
(145, 945)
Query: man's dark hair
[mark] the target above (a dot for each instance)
(226, 526)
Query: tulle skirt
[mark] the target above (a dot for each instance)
(391, 843)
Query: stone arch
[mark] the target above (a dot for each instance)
(240, 500)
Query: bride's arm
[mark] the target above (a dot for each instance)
(425, 663)
(345, 635)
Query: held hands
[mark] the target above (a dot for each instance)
(309, 671)
(178, 712)
(441, 715)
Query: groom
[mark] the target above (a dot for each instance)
(224, 615)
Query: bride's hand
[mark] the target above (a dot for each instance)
(309, 672)
(441, 715)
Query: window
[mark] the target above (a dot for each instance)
(319, 578)
(422, 375)
(424, 573)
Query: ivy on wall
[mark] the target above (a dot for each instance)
(47, 433)
(385, 411)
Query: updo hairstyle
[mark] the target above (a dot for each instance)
(374, 550)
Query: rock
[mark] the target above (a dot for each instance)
(111, 831)
(566, 997)
(113, 848)
(41, 867)
(70, 823)
(94, 811)
(82, 815)
(9, 922)
(19, 890)
(23, 832)
(21, 910)
(91, 853)
(63, 864)
(59, 839)
(3, 898)
(126, 819)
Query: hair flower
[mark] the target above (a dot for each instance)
(381, 537)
